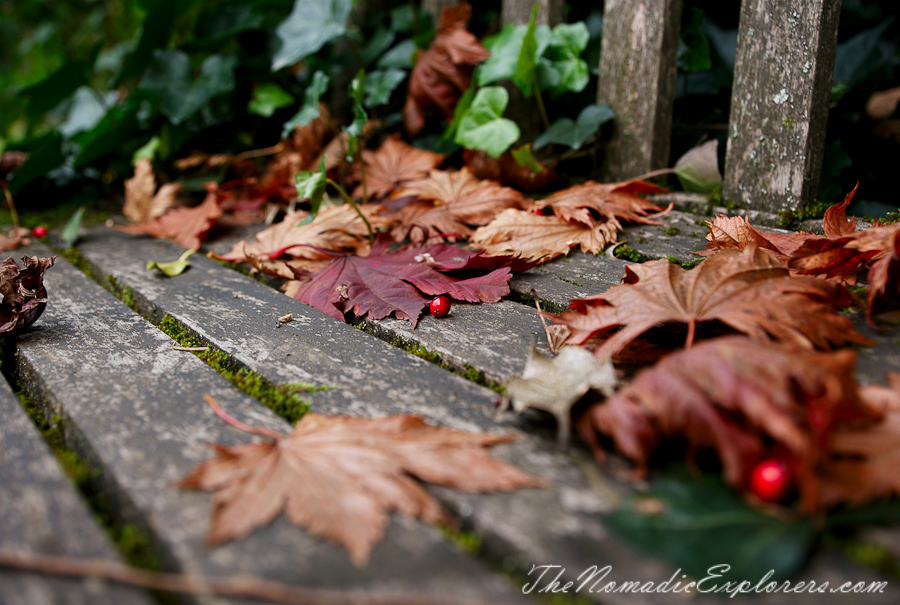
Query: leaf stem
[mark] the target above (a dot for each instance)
(540, 100)
(237, 423)
(353, 205)
(12, 210)
(362, 175)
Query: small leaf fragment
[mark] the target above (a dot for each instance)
(70, 232)
(172, 268)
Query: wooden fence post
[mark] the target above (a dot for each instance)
(518, 12)
(779, 106)
(638, 68)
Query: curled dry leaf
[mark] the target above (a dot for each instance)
(23, 291)
(539, 238)
(13, 239)
(288, 246)
(394, 163)
(338, 477)
(748, 291)
(184, 226)
(739, 397)
(444, 71)
(736, 232)
(555, 385)
(611, 202)
(143, 202)
(449, 203)
(396, 282)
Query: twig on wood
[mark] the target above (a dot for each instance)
(195, 349)
(235, 586)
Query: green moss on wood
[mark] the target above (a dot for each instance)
(283, 399)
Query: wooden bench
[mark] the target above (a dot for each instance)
(130, 407)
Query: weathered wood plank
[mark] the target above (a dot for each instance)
(132, 406)
(562, 524)
(779, 104)
(42, 513)
(638, 66)
(518, 12)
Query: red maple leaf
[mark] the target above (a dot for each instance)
(387, 282)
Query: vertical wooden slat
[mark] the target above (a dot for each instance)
(518, 12)
(638, 68)
(779, 106)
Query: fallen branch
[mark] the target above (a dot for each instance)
(237, 586)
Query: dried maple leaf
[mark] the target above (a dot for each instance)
(539, 238)
(555, 385)
(142, 201)
(450, 203)
(748, 290)
(395, 162)
(394, 282)
(884, 279)
(843, 257)
(444, 71)
(338, 477)
(335, 229)
(835, 222)
(23, 292)
(741, 398)
(611, 201)
(14, 239)
(184, 226)
(735, 232)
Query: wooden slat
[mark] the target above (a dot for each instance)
(518, 12)
(638, 65)
(371, 378)
(42, 513)
(133, 407)
(779, 105)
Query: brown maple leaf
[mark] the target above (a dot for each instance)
(450, 203)
(736, 232)
(336, 229)
(444, 71)
(395, 162)
(748, 291)
(843, 257)
(24, 296)
(184, 226)
(742, 398)
(142, 201)
(338, 477)
(610, 201)
(538, 238)
(884, 279)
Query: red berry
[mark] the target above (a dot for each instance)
(440, 306)
(771, 480)
(39, 231)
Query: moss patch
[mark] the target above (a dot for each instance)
(672, 231)
(626, 252)
(283, 399)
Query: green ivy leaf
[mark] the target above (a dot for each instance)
(380, 84)
(155, 33)
(693, 47)
(268, 98)
(380, 41)
(70, 232)
(525, 67)
(181, 96)
(311, 25)
(113, 131)
(462, 106)
(60, 85)
(523, 157)
(45, 155)
(310, 109)
(311, 186)
(483, 125)
(400, 57)
(505, 49)
(147, 150)
(172, 268)
(565, 131)
(697, 524)
(559, 65)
